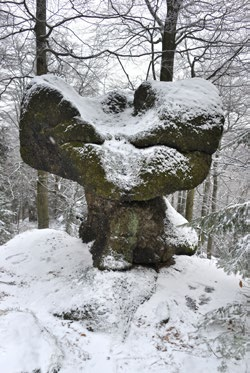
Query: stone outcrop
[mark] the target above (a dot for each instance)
(123, 232)
(127, 154)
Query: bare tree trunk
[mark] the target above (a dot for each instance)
(41, 68)
(205, 207)
(168, 36)
(214, 203)
(40, 31)
(190, 204)
(173, 200)
(169, 40)
(55, 196)
(42, 200)
(205, 199)
(181, 202)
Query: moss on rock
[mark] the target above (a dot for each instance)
(181, 172)
(144, 98)
(185, 136)
(125, 218)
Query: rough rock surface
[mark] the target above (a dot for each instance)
(127, 153)
(124, 232)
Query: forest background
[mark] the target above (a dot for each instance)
(99, 46)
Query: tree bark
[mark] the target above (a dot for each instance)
(41, 68)
(205, 206)
(173, 200)
(181, 202)
(205, 199)
(214, 203)
(190, 204)
(169, 40)
(42, 200)
(55, 201)
(40, 31)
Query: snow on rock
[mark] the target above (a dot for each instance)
(183, 116)
(125, 154)
(59, 314)
(188, 98)
(180, 235)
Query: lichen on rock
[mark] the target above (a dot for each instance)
(127, 155)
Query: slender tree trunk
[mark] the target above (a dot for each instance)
(214, 203)
(40, 31)
(42, 200)
(41, 68)
(181, 202)
(190, 204)
(205, 207)
(169, 40)
(205, 199)
(55, 196)
(173, 200)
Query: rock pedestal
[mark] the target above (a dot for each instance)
(127, 154)
(126, 232)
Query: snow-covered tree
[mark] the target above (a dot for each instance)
(6, 213)
(230, 230)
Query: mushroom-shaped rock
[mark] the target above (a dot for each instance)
(127, 153)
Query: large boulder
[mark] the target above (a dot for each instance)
(187, 116)
(127, 153)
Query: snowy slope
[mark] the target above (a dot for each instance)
(59, 314)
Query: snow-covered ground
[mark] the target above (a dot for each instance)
(59, 314)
